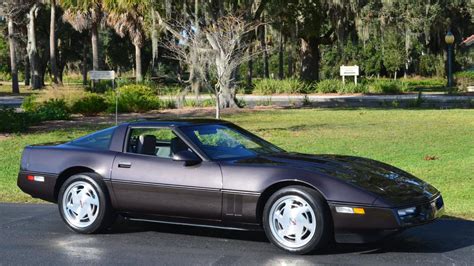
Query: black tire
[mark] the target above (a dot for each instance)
(104, 215)
(318, 238)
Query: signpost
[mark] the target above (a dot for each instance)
(349, 71)
(107, 75)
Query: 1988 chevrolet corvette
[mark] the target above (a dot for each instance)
(214, 173)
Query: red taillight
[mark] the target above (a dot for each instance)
(31, 178)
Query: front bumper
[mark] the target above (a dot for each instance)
(378, 223)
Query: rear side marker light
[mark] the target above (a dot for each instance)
(350, 210)
(36, 178)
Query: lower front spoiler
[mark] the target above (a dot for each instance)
(377, 223)
(365, 236)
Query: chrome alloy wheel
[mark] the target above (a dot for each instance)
(292, 221)
(80, 204)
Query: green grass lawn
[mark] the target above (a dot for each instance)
(403, 138)
(6, 90)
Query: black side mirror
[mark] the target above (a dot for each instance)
(188, 157)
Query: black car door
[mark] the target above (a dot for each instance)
(145, 179)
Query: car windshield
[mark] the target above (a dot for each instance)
(221, 142)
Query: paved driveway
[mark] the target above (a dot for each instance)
(11, 101)
(35, 234)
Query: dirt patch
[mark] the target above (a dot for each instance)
(4, 136)
(81, 121)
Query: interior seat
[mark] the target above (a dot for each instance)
(146, 145)
(177, 145)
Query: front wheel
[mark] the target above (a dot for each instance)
(84, 204)
(296, 219)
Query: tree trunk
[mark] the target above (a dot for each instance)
(53, 43)
(290, 65)
(225, 93)
(407, 51)
(250, 68)
(27, 70)
(138, 64)
(61, 73)
(218, 104)
(154, 45)
(196, 14)
(168, 8)
(13, 61)
(227, 98)
(280, 58)
(32, 49)
(84, 65)
(266, 71)
(310, 59)
(95, 46)
(290, 49)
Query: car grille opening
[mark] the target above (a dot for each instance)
(421, 213)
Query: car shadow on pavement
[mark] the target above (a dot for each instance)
(441, 236)
(123, 226)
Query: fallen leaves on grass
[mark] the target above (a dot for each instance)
(431, 157)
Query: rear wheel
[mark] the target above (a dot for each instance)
(84, 204)
(297, 220)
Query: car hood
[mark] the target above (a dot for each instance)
(391, 185)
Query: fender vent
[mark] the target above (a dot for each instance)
(234, 204)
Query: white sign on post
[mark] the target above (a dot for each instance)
(349, 71)
(107, 75)
(102, 75)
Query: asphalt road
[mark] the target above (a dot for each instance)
(35, 234)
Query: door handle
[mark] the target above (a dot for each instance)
(124, 165)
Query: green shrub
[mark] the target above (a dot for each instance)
(329, 86)
(30, 104)
(336, 86)
(5, 76)
(466, 74)
(53, 109)
(89, 105)
(275, 86)
(464, 79)
(199, 103)
(387, 86)
(168, 90)
(240, 102)
(168, 104)
(424, 84)
(208, 103)
(191, 103)
(133, 98)
(100, 86)
(13, 122)
(350, 87)
(426, 66)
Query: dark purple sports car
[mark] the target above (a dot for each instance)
(214, 173)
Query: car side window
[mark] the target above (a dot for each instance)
(159, 142)
(99, 140)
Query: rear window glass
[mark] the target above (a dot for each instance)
(99, 140)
